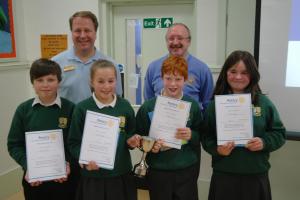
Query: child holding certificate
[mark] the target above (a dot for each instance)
(241, 172)
(173, 172)
(98, 182)
(47, 111)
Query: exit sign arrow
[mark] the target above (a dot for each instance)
(158, 22)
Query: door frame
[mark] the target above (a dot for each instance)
(106, 27)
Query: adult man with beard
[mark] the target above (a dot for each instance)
(199, 84)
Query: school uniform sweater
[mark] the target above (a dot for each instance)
(37, 118)
(172, 159)
(124, 111)
(266, 125)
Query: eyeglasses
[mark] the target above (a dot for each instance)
(172, 39)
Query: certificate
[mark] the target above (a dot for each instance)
(234, 118)
(169, 114)
(45, 155)
(100, 139)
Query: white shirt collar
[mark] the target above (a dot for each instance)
(162, 93)
(101, 105)
(57, 101)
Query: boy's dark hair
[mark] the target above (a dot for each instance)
(43, 67)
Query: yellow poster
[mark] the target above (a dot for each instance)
(52, 45)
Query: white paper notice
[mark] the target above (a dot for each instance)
(45, 155)
(234, 118)
(100, 139)
(169, 114)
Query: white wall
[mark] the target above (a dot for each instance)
(207, 30)
(50, 17)
(14, 89)
(219, 33)
(241, 24)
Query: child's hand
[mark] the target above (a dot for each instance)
(184, 133)
(33, 184)
(225, 149)
(255, 144)
(68, 170)
(157, 145)
(91, 166)
(61, 180)
(134, 141)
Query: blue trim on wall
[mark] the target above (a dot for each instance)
(138, 51)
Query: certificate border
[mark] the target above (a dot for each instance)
(46, 178)
(176, 145)
(101, 165)
(220, 142)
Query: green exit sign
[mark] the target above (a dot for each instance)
(158, 22)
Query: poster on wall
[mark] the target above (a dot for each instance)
(7, 37)
(53, 44)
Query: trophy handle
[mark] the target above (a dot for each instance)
(141, 148)
(144, 156)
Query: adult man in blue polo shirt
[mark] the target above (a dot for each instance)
(76, 62)
(199, 85)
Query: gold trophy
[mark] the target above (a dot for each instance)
(141, 168)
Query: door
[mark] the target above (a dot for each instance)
(127, 23)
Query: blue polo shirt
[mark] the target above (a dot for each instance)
(199, 85)
(75, 84)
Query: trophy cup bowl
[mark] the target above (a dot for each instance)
(140, 169)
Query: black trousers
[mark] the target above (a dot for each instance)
(240, 187)
(174, 184)
(51, 190)
(114, 188)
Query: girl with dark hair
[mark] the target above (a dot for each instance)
(241, 173)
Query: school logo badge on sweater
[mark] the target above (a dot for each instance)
(122, 121)
(62, 122)
(257, 111)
